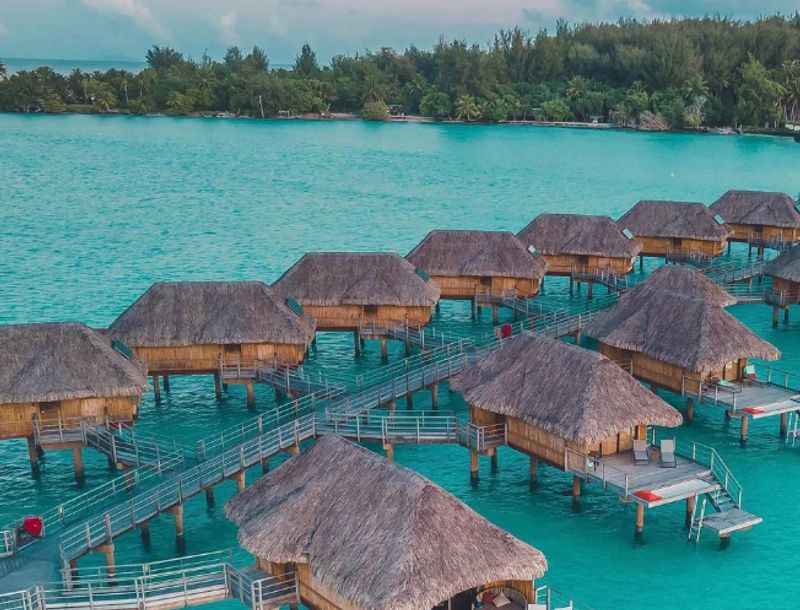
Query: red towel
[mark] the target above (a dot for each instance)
(753, 410)
(33, 526)
(648, 495)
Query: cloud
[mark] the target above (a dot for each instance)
(133, 9)
(227, 26)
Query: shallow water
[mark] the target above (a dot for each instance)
(95, 209)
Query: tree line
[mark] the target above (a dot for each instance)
(680, 73)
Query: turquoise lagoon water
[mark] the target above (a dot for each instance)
(95, 209)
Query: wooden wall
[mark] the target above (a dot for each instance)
(790, 290)
(742, 232)
(16, 420)
(466, 287)
(661, 246)
(205, 358)
(564, 264)
(527, 438)
(670, 376)
(350, 317)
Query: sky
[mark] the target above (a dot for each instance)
(124, 29)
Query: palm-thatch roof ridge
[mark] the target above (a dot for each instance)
(379, 535)
(356, 278)
(673, 219)
(695, 334)
(63, 361)
(786, 266)
(200, 313)
(475, 253)
(758, 208)
(578, 235)
(568, 391)
(686, 281)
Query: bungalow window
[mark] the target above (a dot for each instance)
(50, 409)
(371, 310)
(486, 281)
(233, 349)
(677, 242)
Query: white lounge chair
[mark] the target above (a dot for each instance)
(640, 453)
(565, 607)
(668, 459)
(537, 607)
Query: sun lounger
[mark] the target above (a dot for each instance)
(668, 459)
(640, 454)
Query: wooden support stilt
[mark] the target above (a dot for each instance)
(571, 285)
(641, 263)
(210, 497)
(576, 487)
(409, 401)
(217, 386)
(534, 471)
(775, 316)
(384, 350)
(33, 455)
(264, 465)
(475, 310)
(389, 449)
(744, 430)
(391, 406)
(690, 504)
(251, 395)
(589, 290)
(166, 383)
(77, 463)
(156, 387)
(293, 450)
(690, 410)
(357, 343)
(438, 307)
(729, 248)
(144, 532)
(784, 424)
(494, 314)
(639, 519)
(473, 465)
(654, 388)
(434, 388)
(177, 512)
(111, 567)
(408, 348)
(494, 461)
(225, 387)
(786, 315)
(238, 478)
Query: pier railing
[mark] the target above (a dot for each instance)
(174, 583)
(788, 380)
(710, 457)
(143, 506)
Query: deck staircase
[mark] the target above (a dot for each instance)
(725, 498)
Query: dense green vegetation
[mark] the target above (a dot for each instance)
(681, 74)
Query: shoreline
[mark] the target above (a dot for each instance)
(419, 119)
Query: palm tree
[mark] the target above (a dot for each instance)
(2, 70)
(791, 86)
(467, 108)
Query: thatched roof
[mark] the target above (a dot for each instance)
(673, 219)
(197, 313)
(696, 334)
(379, 535)
(578, 235)
(356, 278)
(786, 266)
(50, 362)
(476, 253)
(568, 391)
(686, 281)
(758, 208)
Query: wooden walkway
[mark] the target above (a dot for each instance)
(164, 585)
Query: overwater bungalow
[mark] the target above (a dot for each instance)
(785, 274)
(675, 230)
(53, 376)
(227, 329)
(584, 248)
(759, 218)
(355, 532)
(479, 265)
(674, 333)
(580, 412)
(362, 292)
